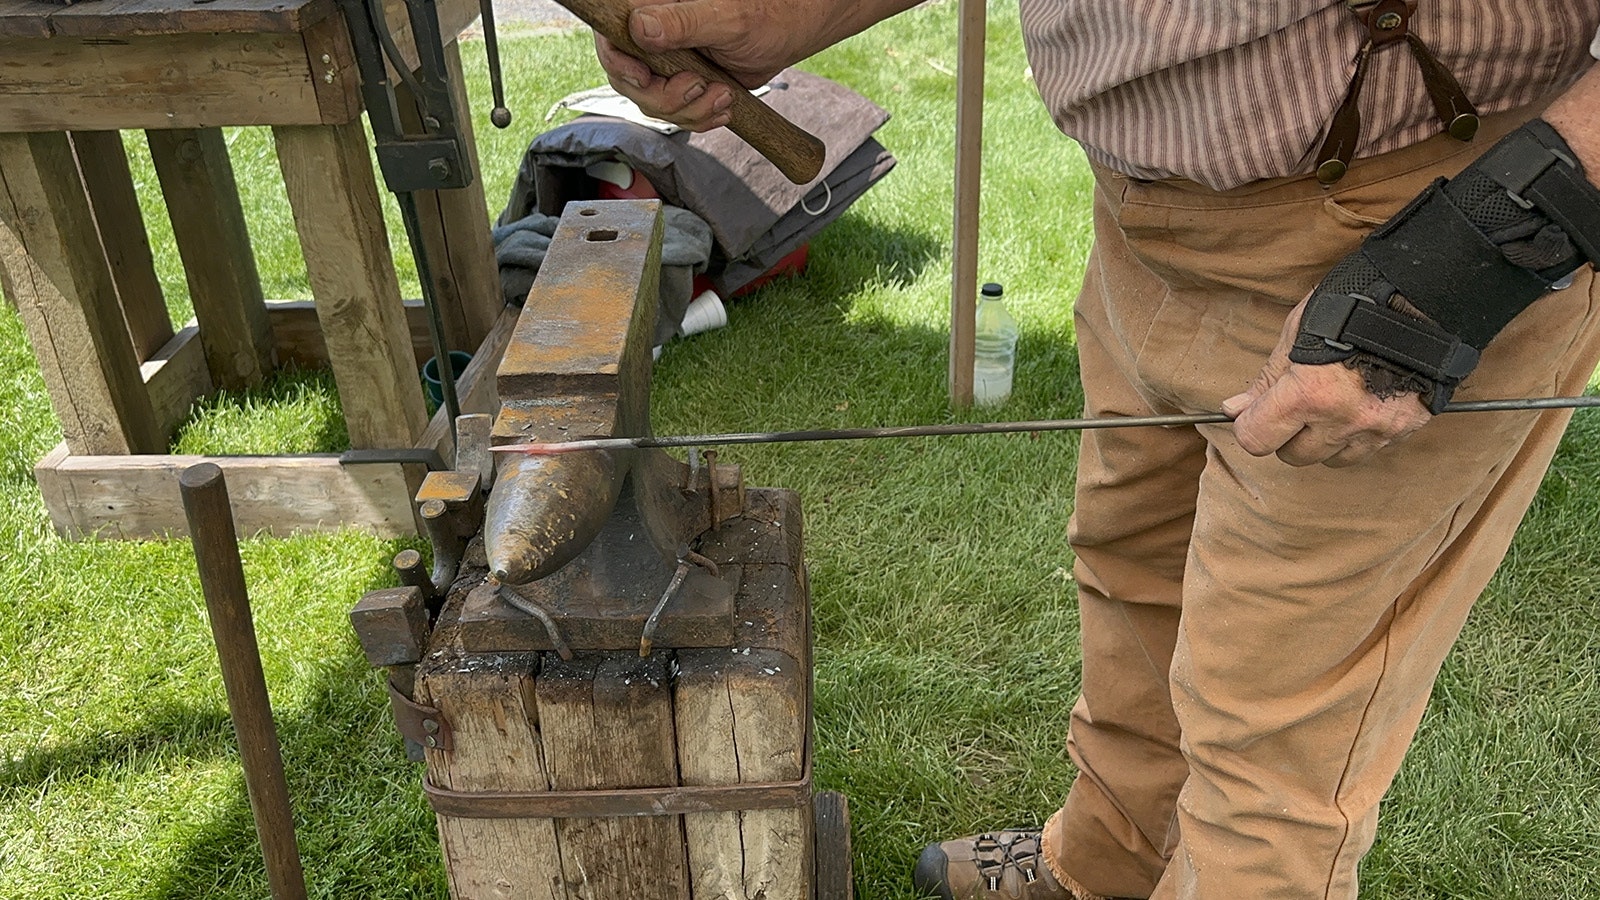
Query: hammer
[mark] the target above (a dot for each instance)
(797, 153)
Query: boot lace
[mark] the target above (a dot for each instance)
(998, 852)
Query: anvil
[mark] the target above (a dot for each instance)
(596, 550)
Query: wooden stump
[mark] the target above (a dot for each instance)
(603, 723)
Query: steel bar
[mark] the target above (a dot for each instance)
(954, 428)
(216, 551)
(409, 216)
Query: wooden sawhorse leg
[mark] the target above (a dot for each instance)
(208, 225)
(57, 270)
(334, 194)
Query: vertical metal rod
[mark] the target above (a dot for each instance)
(216, 551)
(969, 168)
(500, 116)
(441, 353)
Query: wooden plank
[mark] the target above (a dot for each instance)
(156, 81)
(455, 231)
(51, 251)
(298, 335)
(333, 70)
(52, 487)
(453, 17)
(26, 18)
(129, 18)
(136, 497)
(606, 721)
(490, 705)
(176, 376)
(835, 878)
(328, 171)
(103, 163)
(741, 718)
(209, 227)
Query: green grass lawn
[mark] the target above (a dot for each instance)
(946, 631)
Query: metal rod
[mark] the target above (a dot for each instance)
(412, 221)
(216, 552)
(500, 116)
(954, 428)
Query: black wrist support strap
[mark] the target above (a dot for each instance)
(1468, 254)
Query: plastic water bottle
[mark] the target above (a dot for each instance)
(995, 349)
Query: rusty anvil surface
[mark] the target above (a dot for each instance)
(594, 539)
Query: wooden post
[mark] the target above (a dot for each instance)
(606, 719)
(53, 260)
(492, 713)
(103, 163)
(455, 231)
(328, 171)
(208, 225)
(216, 551)
(969, 168)
(743, 717)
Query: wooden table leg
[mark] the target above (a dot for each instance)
(335, 198)
(208, 225)
(455, 231)
(104, 165)
(53, 260)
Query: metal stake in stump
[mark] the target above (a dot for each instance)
(216, 551)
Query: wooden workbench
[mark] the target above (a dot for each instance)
(75, 258)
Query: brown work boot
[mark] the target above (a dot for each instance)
(1003, 865)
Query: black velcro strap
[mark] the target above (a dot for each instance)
(1347, 322)
(1325, 317)
(1448, 270)
(1419, 346)
(1518, 158)
(1571, 202)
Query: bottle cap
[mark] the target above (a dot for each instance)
(993, 289)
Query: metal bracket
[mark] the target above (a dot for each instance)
(423, 456)
(422, 724)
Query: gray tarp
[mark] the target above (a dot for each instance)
(756, 215)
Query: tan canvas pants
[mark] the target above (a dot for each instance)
(1259, 640)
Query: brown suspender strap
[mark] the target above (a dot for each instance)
(1389, 22)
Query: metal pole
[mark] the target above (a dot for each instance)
(954, 428)
(216, 551)
(407, 201)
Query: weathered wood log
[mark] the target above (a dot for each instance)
(606, 719)
(744, 714)
(489, 702)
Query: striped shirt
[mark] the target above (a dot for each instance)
(1224, 93)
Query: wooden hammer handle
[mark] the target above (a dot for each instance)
(797, 153)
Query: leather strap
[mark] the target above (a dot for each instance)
(1389, 22)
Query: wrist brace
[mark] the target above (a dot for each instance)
(1429, 289)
